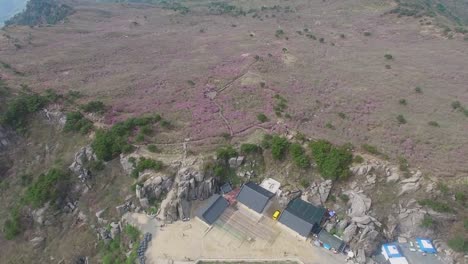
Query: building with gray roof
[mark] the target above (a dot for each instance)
(254, 197)
(213, 209)
(302, 217)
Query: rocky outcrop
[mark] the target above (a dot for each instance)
(54, 117)
(317, 193)
(374, 168)
(154, 187)
(236, 162)
(360, 203)
(80, 162)
(192, 185)
(37, 242)
(411, 184)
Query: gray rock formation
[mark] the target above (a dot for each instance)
(360, 203)
(236, 162)
(349, 233)
(79, 165)
(318, 193)
(37, 242)
(411, 184)
(54, 117)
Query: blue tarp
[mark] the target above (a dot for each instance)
(426, 245)
(392, 250)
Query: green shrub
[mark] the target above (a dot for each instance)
(418, 89)
(401, 119)
(436, 205)
(262, 118)
(458, 244)
(433, 124)
(403, 164)
(94, 107)
(299, 156)
(342, 115)
(388, 56)
(330, 126)
(12, 226)
(358, 159)
(19, 109)
(72, 95)
(427, 221)
(225, 153)
(460, 197)
(456, 105)
(153, 148)
(96, 165)
(45, 188)
(132, 232)
(191, 83)
(443, 188)
(371, 149)
(76, 122)
(403, 102)
(332, 162)
(322, 40)
(279, 147)
(108, 144)
(249, 149)
(266, 141)
(166, 124)
(344, 197)
(279, 33)
(304, 183)
(367, 33)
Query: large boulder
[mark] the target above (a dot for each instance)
(360, 203)
(349, 232)
(318, 193)
(80, 161)
(37, 242)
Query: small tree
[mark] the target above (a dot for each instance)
(456, 105)
(262, 118)
(279, 146)
(401, 119)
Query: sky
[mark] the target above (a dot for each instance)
(8, 8)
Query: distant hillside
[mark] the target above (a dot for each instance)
(454, 10)
(41, 12)
(9, 8)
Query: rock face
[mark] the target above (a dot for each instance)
(411, 184)
(317, 193)
(55, 117)
(37, 242)
(236, 162)
(6, 137)
(360, 203)
(82, 157)
(373, 168)
(192, 185)
(153, 188)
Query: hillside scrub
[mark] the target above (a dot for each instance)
(436, 205)
(332, 162)
(145, 164)
(12, 226)
(262, 118)
(246, 149)
(299, 156)
(279, 147)
(21, 107)
(108, 144)
(94, 107)
(45, 188)
(76, 122)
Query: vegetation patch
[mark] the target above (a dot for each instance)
(436, 205)
(299, 156)
(76, 122)
(332, 162)
(94, 107)
(145, 164)
(46, 188)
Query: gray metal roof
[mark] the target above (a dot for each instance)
(213, 209)
(302, 216)
(254, 196)
(302, 227)
(331, 240)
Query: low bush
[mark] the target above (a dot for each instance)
(132, 232)
(371, 149)
(279, 147)
(262, 118)
(456, 105)
(358, 159)
(332, 162)
(153, 148)
(12, 226)
(458, 244)
(225, 153)
(20, 108)
(436, 205)
(418, 89)
(76, 122)
(344, 197)
(304, 183)
(94, 107)
(342, 115)
(250, 149)
(403, 102)
(388, 56)
(401, 119)
(45, 188)
(433, 124)
(330, 126)
(145, 164)
(299, 156)
(427, 221)
(403, 164)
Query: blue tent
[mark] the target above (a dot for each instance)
(391, 251)
(426, 245)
